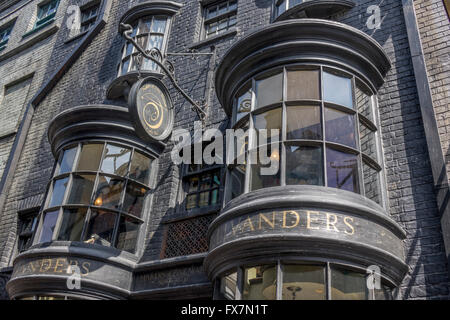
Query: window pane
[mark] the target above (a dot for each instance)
(191, 201)
(116, 160)
(228, 286)
(155, 42)
(368, 144)
(125, 65)
(268, 120)
(90, 157)
(144, 25)
(81, 191)
(127, 234)
(101, 227)
(108, 192)
(59, 188)
(304, 165)
(159, 24)
(203, 199)
(303, 84)
(214, 196)
(237, 181)
(266, 172)
(340, 127)
(281, 8)
(342, 170)
(48, 226)
(211, 12)
(232, 5)
(72, 224)
(66, 162)
(337, 89)
(363, 102)
(140, 168)
(303, 122)
(243, 104)
(347, 285)
(372, 183)
(294, 3)
(205, 181)
(260, 283)
(384, 293)
(134, 199)
(269, 90)
(303, 282)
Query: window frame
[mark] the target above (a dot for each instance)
(5, 32)
(119, 213)
(23, 215)
(43, 21)
(92, 19)
(226, 15)
(376, 164)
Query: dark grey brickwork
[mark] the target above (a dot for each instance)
(408, 174)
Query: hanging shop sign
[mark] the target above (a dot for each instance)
(151, 109)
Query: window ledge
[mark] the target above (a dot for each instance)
(229, 33)
(77, 36)
(36, 29)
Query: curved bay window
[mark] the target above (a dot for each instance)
(97, 196)
(327, 132)
(149, 32)
(301, 281)
(282, 6)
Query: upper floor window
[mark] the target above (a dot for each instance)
(219, 17)
(27, 225)
(149, 32)
(97, 195)
(327, 132)
(89, 16)
(202, 183)
(282, 6)
(5, 32)
(46, 13)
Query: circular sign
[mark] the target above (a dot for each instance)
(151, 109)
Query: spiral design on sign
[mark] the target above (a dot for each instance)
(153, 110)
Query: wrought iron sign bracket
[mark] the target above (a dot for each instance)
(167, 67)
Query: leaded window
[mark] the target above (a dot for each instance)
(202, 183)
(149, 32)
(89, 16)
(219, 17)
(97, 195)
(327, 132)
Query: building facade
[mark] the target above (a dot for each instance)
(331, 127)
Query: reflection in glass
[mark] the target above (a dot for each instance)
(303, 84)
(368, 144)
(269, 90)
(116, 160)
(59, 188)
(304, 165)
(134, 199)
(72, 224)
(348, 285)
(90, 157)
(159, 24)
(301, 282)
(237, 181)
(340, 127)
(81, 190)
(228, 286)
(140, 168)
(127, 234)
(337, 89)
(266, 171)
(108, 192)
(244, 103)
(372, 187)
(260, 283)
(48, 226)
(100, 228)
(342, 170)
(67, 159)
(268, 121)
(303, 122)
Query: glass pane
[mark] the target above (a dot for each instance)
(66, 162)
(303, 282)
(59, 188)
(243, 104)
(384, 293)
(340, 127)
(222, 24)
(140, 167)
(269, 90)
(228, 286)
(134, 199)
(372, 183)
(81, 191)
(294, 3)
(136, 60)
(211, 12)
(232, 5)
(363, 102)
(108, 192)
(211, 28)
(101, 227)
(303, 84)
(303, 122)
(260, 283)
(116, 160)
(144, 25)
(266, 172)
(72, 224)
(90, 157)
(222, 8)
(368, 144)
(304, 165)
(281, 8)
(191, 201)
(347, 285)
(125, 65)
(193, 183)
(237, 181)
(337, 89)
(142, 41)
(159, 24)
(214, 196)
(216, 178)
(127, 234)
(205, 182)
(155, 42)
(203, 199)
(268, 120)
(48, 226)
(342, 170)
